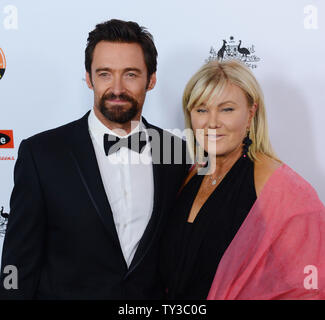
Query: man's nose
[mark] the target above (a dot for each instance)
(117, 86)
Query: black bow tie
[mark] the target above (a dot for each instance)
(135, 142)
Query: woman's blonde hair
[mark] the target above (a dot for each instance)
(209, 82)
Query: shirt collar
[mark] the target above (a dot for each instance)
(98, 129)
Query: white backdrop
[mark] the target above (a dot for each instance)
(43, 85)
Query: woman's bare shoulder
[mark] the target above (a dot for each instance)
(263, 170)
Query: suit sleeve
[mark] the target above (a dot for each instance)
(25, 236)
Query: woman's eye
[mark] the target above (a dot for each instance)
(201, 110)
(228, 109)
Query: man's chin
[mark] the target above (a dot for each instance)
(120, 120)
(120, 117)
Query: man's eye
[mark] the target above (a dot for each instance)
(131, 75)
(104, 74)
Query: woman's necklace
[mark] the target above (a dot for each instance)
(216, 179)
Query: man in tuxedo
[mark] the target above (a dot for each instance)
(91, 197)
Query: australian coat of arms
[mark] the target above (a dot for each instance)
(232, 49)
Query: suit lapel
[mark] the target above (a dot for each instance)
(84, 157)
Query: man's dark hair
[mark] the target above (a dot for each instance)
(126, 32)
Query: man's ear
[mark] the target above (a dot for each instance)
(88, 81)
(152, 82)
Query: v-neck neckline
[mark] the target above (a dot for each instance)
(218, 188)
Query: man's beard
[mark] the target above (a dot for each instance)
(116, 113)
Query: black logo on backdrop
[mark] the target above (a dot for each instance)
(4, 139)
(232, 49)
(3, 221)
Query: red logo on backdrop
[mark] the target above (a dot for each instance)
(6, 139)
(2, 63)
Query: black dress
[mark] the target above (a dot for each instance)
(191, 252)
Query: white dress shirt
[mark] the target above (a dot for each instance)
(128, 181)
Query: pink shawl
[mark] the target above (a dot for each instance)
(279, 251)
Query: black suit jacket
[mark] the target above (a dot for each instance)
(61, 235)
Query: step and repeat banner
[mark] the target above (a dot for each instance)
(42, 76)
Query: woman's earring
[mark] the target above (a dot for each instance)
(246, 143)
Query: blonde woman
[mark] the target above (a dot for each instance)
(245, 225)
